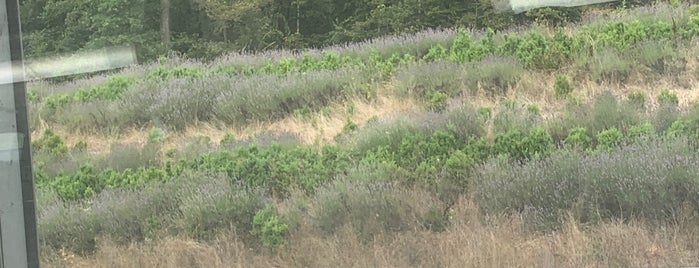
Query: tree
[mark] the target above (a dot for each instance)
(165, 22)
(225, 13)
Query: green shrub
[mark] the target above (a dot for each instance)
(228, 140)
(520, 146)
(485, 112)
(50, 143)
(156, 135)
(465, 49)
(609, 138)
(55, 101)
(562, 87)
(110, 90)
(679, 128)
(276, 167)
(538, 142)
(533, 108)
(642, 131)
(81, 184)
(349, 126)
(32, 96)
(269, 229)
(578, 138)
(668, 98)
(437, 101)
(165, 73)
(437, 52)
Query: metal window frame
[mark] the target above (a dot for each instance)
(22, 126)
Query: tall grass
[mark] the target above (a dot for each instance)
(651, 180)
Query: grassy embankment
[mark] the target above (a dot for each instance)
(572, 147)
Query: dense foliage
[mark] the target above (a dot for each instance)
(611, 158)
(204, 29)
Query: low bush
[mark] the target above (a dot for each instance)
(493, 74)
(609, 185)
(269, 229)
(112, 89)
(50, 143)
(423, 78)
(522, 146)
(511, 116)
(642, 131)
(609, 138)
(466, 122)
(562, 86)
(608, 112)
(368, 208)
(668, 98)
(637, 99)
(578, 138)
(217, 205)
(610, 66)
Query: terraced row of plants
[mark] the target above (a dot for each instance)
(592, 169)
(470, 61)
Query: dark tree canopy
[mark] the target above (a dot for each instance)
(207, 28)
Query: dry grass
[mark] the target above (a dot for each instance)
(471, 241)
(319, 128)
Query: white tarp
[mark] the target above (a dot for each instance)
(519, 6)
(83, 62)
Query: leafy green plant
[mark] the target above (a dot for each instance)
(437, 52)
(668, 98)
(166, 73)
(578, 138)
(269, 228)
(156, 135)
(50, 142)
(110, 90)
(533, 108)
(228, 140)
(645, 131)
(521, 146)
(679, 127)
(562, 87)
(609, 138)
(437, 101)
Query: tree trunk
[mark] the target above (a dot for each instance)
(165, 22)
